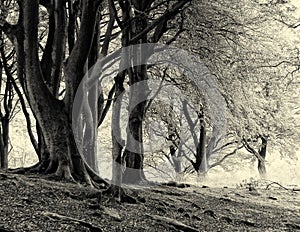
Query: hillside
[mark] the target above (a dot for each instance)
(29, 203)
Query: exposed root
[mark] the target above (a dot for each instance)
(173, 222)
(18, 171)
(24, 170)
(113, 193)
(39, 168)
(89, 182)
(175, 184)
(64, 171)
(65, 218)
(61, 171)
(52, 167)
(116, 194)
(97, 181)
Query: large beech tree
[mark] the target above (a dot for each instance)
(53, 59)
(42, 70)
(42, 80)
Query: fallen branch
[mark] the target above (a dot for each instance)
(65, 218)
(177, 224)
(276, 183)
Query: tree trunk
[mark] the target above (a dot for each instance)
(201, 164)
(175, 159)
(201, 156)
(55, 116)
(117, 146)
(4, 119)
(134, 153)
(173, 138)
(91, 125)
(4, 133)
(134, 147)
(262, 152)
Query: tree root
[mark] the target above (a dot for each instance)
(23, 170)
(65, 218)
(173, 222)
(60, 171)
(96, 180)
(175, 184)
(38, 168)
(116, 194)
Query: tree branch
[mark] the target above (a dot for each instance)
(226, 156)
(166, 16)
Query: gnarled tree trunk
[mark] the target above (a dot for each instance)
(54, 116)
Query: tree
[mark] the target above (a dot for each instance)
(230, 36)
(41, 79)
(51, 64)
(8, 108)
(227, 37)
(144, 26)
(56, 62)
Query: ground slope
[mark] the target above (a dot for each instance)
(28, 203)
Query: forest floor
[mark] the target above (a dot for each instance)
(31, 203)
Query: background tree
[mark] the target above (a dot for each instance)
(7, 105)
(237, 43)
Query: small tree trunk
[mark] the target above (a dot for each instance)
(201, 164)
(117, 172)
(262, 152)
(91, 129)
(4, 143)
(134, 156)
